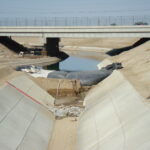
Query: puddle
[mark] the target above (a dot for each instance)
(74, 64)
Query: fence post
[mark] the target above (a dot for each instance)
(133, 19)
(16, 22)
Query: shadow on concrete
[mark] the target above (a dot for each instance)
(118, 51)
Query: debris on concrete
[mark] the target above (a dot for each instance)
(66, 111)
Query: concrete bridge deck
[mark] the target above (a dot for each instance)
(77, 31)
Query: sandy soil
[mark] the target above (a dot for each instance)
(94, 48)
(5, 52)
(14, 62)
(9, 58)
(90, 42)
(64, 135)
(29, 41)
(7, 73)
(98, 42)
(136, 64)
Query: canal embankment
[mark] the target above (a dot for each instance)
(116, 114)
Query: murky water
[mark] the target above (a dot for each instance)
(74, 64)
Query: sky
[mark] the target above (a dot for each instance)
(73, 8)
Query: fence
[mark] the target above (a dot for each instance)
(77, 21)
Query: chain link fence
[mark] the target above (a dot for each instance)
(77, 21)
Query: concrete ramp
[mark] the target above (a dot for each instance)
(30, 88)
(116, 117)
(24, 124)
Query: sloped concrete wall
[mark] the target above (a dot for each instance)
(24, 124)
(116, 117)
(32, 89)
(102, 90)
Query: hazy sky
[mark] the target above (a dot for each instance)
(69, 8)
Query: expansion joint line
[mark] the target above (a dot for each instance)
(121, 124)
(27, 129)
(12, 108)
(30, 97)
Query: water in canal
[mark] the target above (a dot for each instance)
(73, 63)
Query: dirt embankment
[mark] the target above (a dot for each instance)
(136, 61)
(136, 64)
(98, 42)
(12, 59)
(94, 48)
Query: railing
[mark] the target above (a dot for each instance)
(77, 21)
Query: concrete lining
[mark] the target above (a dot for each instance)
(24, 124)
(32, 89)
(116, 117)
(103, 88)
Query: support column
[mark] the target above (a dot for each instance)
(52, 46)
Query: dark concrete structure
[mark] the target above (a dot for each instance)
(52, 46)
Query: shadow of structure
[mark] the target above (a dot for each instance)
(118, 51)
(52, 47)
(17, 47)
(13, 45)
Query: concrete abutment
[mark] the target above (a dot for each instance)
(52, 46)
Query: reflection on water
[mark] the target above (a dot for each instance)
(74, 64)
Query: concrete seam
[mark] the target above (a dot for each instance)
(12, 108)
(119, 119)
(27, 130)
(98, 145)
(25, 94)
